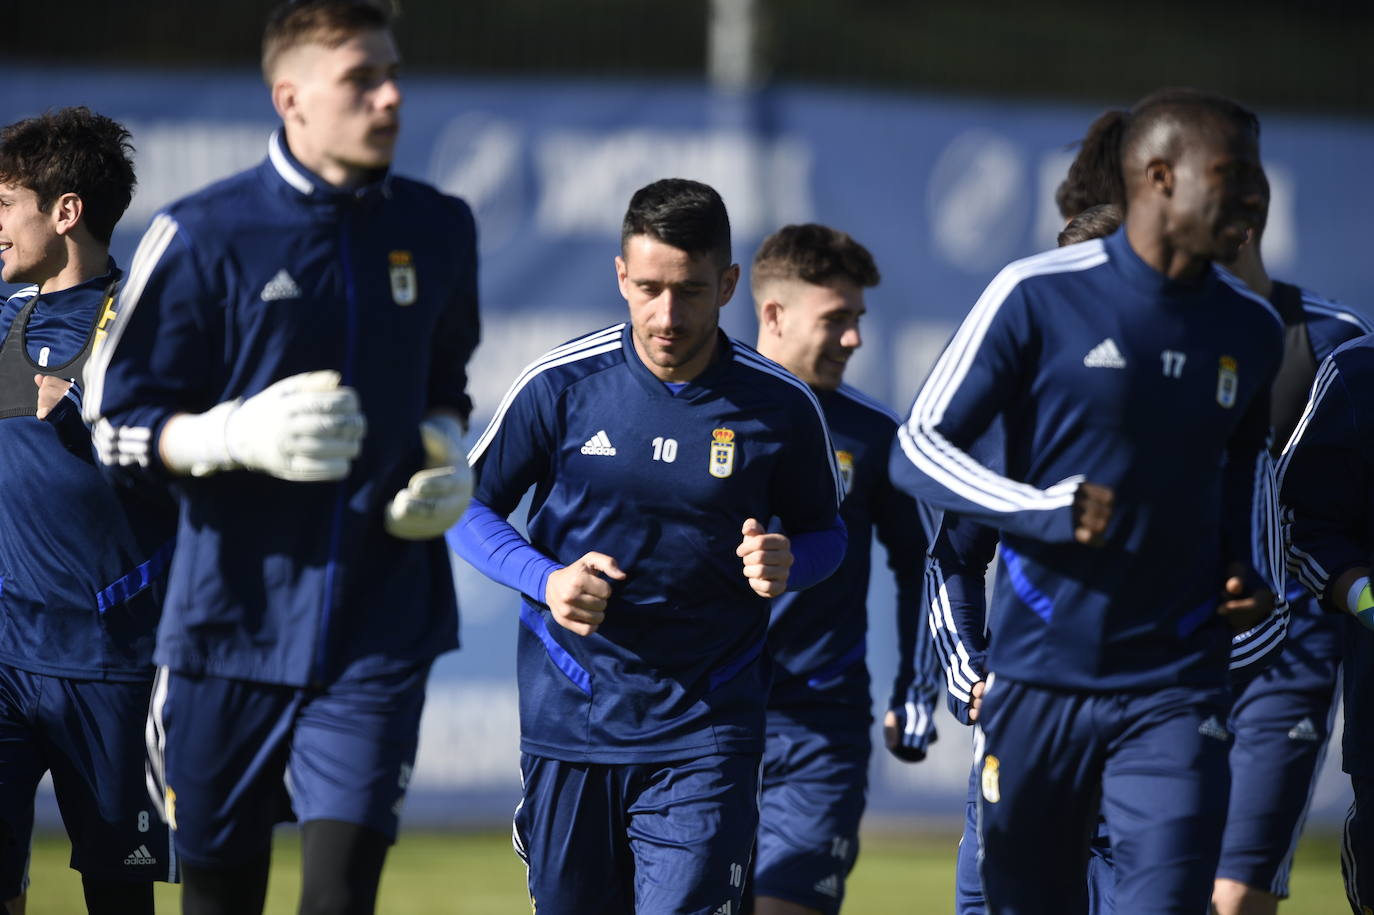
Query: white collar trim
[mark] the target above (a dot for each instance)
(289, 173)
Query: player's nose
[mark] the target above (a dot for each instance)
(851, 338)
(388, 96)
(673, 310)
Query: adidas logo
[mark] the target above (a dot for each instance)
(830, 886)
(1105, 356)
(727, 909)
(281, 287)
(140, 856)
(1303, 730)
(599, 445)
(1214, 729)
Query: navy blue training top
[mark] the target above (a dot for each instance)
(267, 274)
(663, 483)
(1102, 369)
(818, 637)
(82, 564)
(1326, 481)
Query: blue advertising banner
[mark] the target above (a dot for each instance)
(943, 191)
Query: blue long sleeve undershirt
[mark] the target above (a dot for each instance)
(491, 545)
(816, 555)
(496, 549)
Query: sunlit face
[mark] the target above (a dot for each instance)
(814, 328)
(1219, 193)
(341, 105)
(31, 248)
(675, 300)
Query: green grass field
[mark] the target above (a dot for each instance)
(478, 874)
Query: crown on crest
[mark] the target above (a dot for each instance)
(723, 436)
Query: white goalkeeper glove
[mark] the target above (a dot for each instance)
(436, 497)
(307, 427)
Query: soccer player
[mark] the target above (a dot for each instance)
(956, 570)
(290, 350)
(1135, 513)
(1326, 483)
(808, 284)
(82, 566)
(1281, 718)
(658, 451)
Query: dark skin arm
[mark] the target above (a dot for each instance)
(1092, 511)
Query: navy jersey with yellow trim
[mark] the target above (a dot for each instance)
(663, 483)
(818, 637)
(1102, 369)
(82, 564)
(267, 274)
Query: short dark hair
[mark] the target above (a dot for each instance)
(1094, 222)
(813, 254)
(685, 214)
(72, 151)
(1096, 175)
(1183, 103)
(326, 22)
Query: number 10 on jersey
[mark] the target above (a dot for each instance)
(665, 449)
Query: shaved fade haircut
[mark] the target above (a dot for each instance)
(72, 151)
(1163, 116)
(324, 22)
(684, 214)
(1097, 174)
(813, 254)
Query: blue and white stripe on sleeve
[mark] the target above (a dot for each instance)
(1315, 305)
(593, 344)
(955, 658)
(1301, 563)
(940, 459)
(149, 253)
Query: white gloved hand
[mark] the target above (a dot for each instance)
(307, 427)
(436, 497)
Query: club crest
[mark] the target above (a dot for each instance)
(1228, 382)
(404, 286)
(722, 453)
(846, 462)
(992, 779)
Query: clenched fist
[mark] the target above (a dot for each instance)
(577, 594)
(767, 559)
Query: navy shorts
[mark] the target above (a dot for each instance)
(648, 838)
(234, 758)
(815, 783)
(968, 883)
(1154, 763)
(1282, 724)
(89, 734)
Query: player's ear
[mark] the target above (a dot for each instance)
(728, 281)
(67, 212)
(284, 100)
(622, 277)
(1160, 176)
(770, 317)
